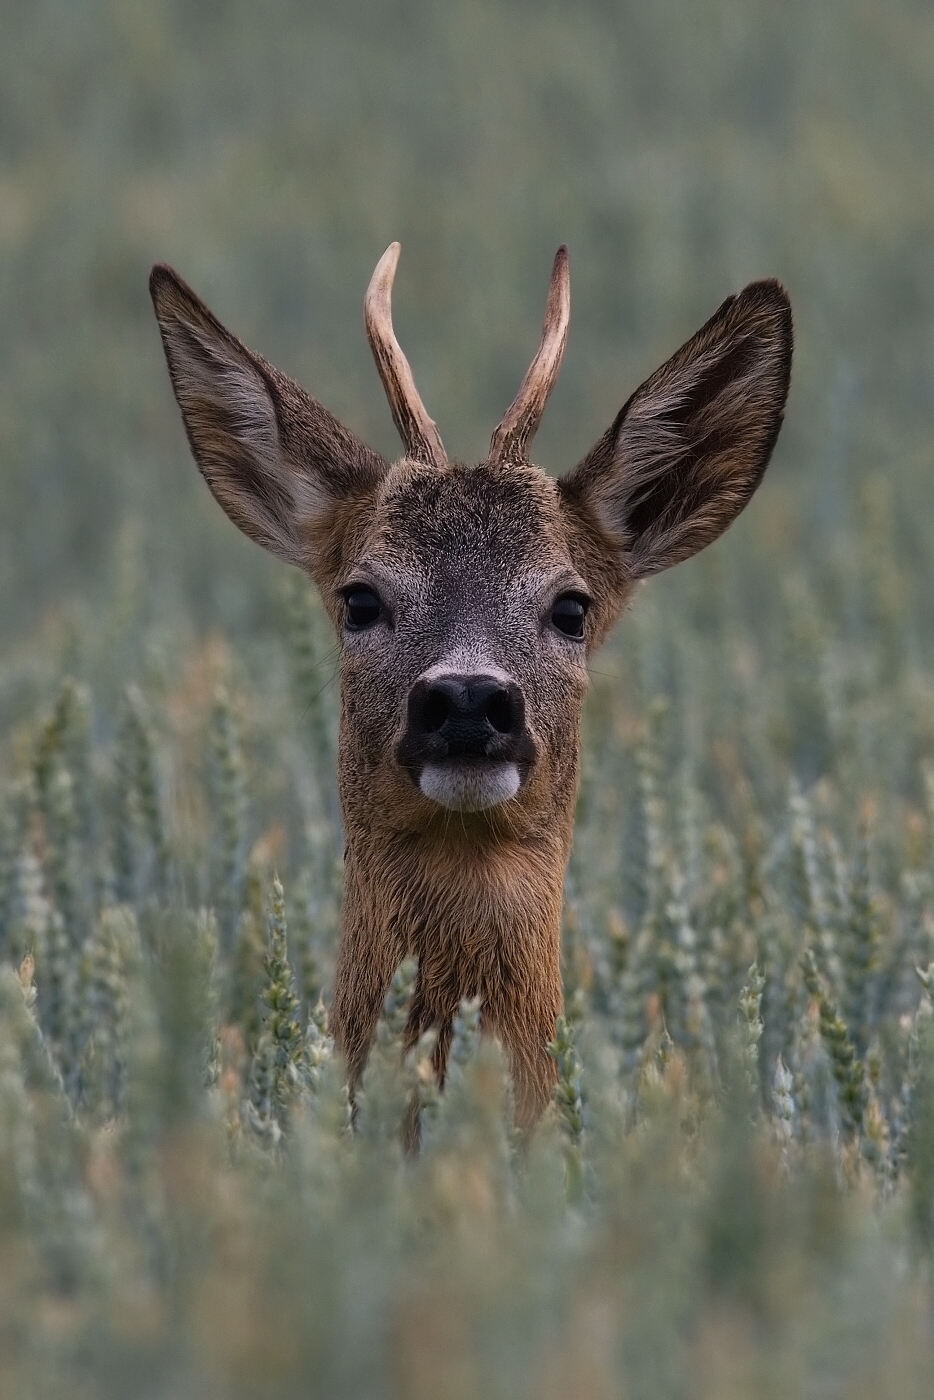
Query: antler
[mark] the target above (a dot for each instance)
(419, 434)
(511, 439)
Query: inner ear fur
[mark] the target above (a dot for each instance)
(687, 451)
(275, 459)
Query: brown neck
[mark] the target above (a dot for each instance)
(478, 903)
(458, 892)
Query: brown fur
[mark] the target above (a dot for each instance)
(467, 562)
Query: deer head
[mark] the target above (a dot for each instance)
(467, 600)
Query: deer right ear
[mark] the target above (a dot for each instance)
(690, 447)
(275, 459)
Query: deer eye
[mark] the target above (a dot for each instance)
(568, 613)
(363, 608)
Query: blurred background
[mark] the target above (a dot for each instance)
(270, 152)
(758, 766)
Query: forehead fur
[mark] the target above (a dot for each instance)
(505, 516)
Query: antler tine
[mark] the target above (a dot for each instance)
(419, 434)
(511, 439)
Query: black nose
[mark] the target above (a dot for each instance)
(461, 716)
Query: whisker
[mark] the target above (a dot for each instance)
(316, 696)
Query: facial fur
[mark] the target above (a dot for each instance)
(467, 564)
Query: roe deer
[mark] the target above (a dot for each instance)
(467, 600)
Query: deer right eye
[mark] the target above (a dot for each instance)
(363, 608)
(568, 615)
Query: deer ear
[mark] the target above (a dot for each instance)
(276, 460)
(690, 447)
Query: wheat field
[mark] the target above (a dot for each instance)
(733, 1193)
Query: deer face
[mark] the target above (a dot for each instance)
(464, 627)
(467, 599)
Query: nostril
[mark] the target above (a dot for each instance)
(436, 710)
(464, 715)
(499, 711)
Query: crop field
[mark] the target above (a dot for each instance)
(732, 1196)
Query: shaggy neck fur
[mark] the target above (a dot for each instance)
(480, 908)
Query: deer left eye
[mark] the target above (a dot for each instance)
(568, 613)
(363, 608)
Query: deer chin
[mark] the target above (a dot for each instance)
(469, 786)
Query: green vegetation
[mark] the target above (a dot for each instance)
(733, 1195)
(734, 1192)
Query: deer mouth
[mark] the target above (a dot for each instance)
(470, 785)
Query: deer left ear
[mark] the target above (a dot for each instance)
(690, 447)
(278, 463)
